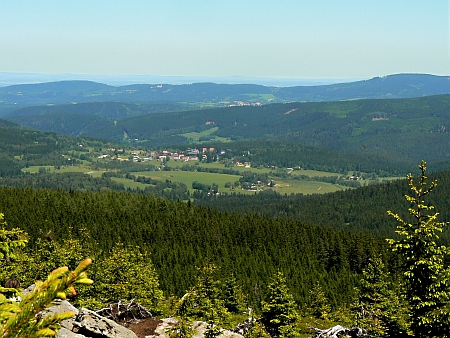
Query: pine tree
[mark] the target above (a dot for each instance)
(10, 240)
(279, 311)
(204, 300)
(256, 331)
(380, 311)
(182, 329)
(11, 243)
(21, 319)
(425, 270)
(126, 274)
(233, 296)
(319, 305)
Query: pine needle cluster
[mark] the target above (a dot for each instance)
(24, 315)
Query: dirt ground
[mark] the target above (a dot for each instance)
(143, 327)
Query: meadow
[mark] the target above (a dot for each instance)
(282, 186)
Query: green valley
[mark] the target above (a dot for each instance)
(202, 209)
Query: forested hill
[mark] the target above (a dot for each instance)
(393, 86)
(181, 237)
(6, 123)
(407, 130)
(94, 119)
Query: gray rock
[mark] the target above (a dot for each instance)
(28, 289)
(65, 333)
(90, 324)
(60, 306)
(85, 324)
(165, 324)
(339, 331)
(200, 327)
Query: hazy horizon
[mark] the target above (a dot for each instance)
(284, 39)
(13, 78)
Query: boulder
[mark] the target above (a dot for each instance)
(87, 324)
(162, 327)
(90, 324)
(200, 327)
(60, 306)
(339, 331)
(65, 333)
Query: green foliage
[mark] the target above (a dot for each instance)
(257, 331)
(204, 300)
(181, 236)
(10, 240)
(182, 329)
(361, 210)
(126, 273)
(425, 263)
(234, 299)
(49, 254)
(380, 310)
(279, 310)
(318, 302)
(23, 318)
(45, 255)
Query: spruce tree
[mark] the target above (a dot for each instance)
(279, 310)
(425, 263)
(126, 274)
(182, 329)
(256, 331)
(10, 240)
(233, 296)
(380, 311)
(204, 300)
(318, 302)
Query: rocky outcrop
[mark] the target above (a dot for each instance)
(64, 333)
(339, 331)
(60, 306)
(88, 324)
(199, 327)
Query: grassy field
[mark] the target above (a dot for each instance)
(195, 136)
(313, 173)
(222, 166)
(188, 177)
(66, 169)
(261, 97)
(304, 187)
(283, 185)
(129, 183)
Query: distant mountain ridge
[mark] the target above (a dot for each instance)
(392, 86)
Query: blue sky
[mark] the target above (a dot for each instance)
(253, 38)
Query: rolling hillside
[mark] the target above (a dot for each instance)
(96, 119)
(407, 130)
(63, 92)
